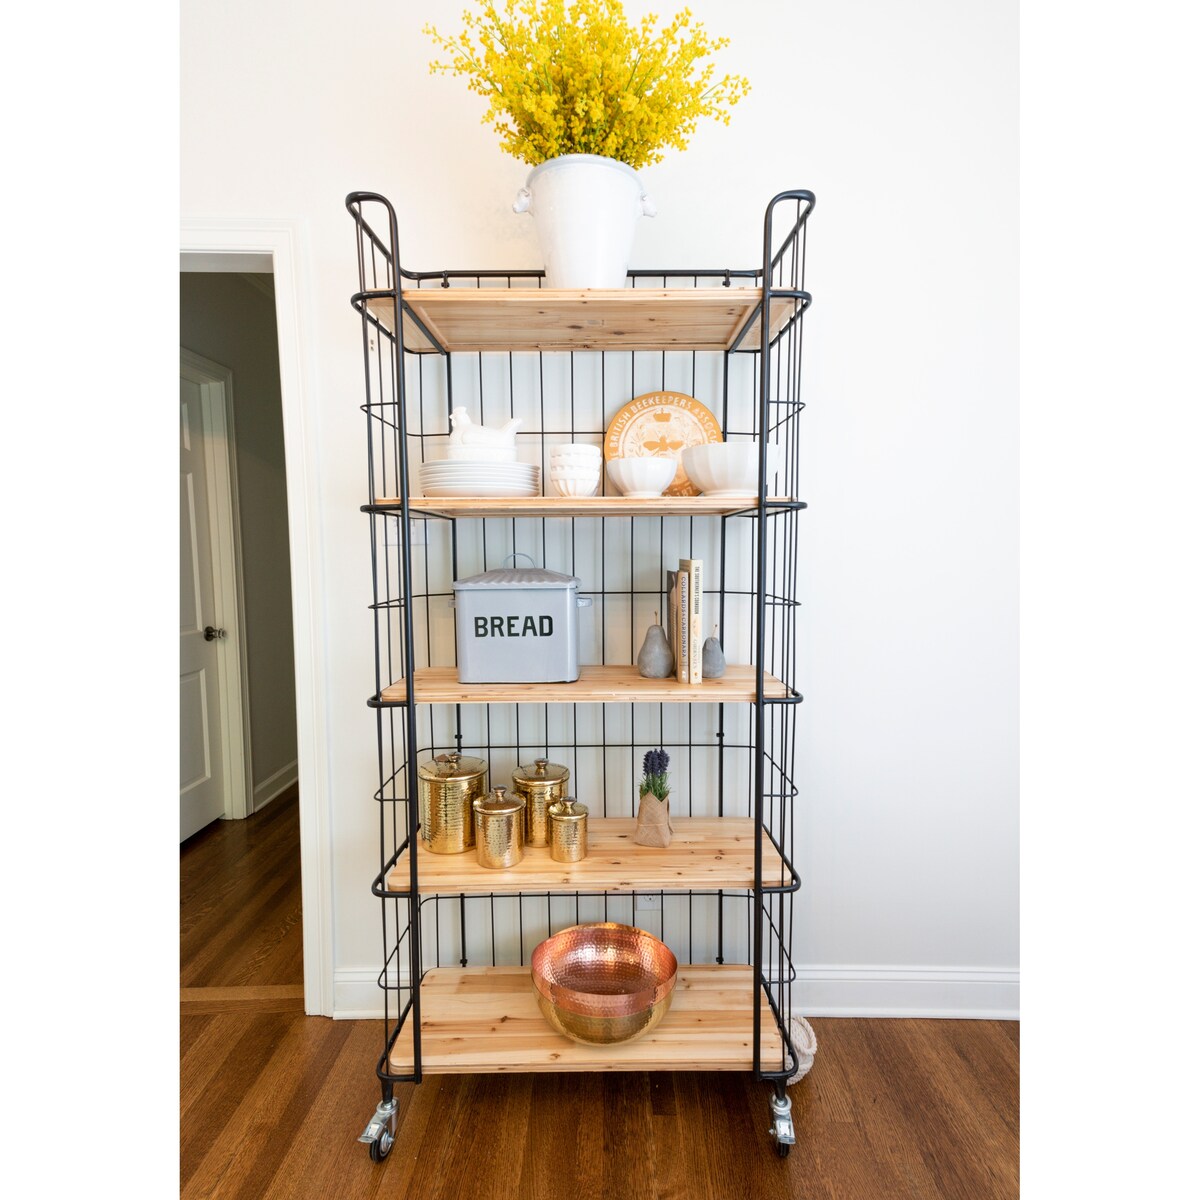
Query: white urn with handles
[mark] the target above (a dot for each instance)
(585, 208)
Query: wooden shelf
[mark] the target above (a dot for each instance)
(472, 319)
(705, 853)
(610, 684)
(583, 506)
(485, 1019)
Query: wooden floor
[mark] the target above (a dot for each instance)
(272, 1101)
(239, 910)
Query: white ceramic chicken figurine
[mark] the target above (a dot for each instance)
(468, 434)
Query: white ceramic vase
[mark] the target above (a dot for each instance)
(585, 208)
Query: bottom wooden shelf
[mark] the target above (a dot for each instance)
(484, 1019)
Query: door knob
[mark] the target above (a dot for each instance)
(211, 634)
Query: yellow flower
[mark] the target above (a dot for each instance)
(577, 78)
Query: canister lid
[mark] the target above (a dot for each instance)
(542, 770)
(452, 766)
(567, 810)
(499, 802)
(517, 577)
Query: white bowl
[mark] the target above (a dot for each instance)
(575, 450)
(578, 472)
(576, 487)
(580, 483)
(644, 476)
(576, 464)
(727, 468)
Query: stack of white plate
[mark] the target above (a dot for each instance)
(480, 479)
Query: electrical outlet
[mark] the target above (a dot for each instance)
(416, 532)
(647, 902)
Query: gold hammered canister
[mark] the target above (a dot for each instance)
(542, 784)
(447, 788)
(499, 828)
(568, 831)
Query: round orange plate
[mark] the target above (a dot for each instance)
(662, 424)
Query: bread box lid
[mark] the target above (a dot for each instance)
(516, 577)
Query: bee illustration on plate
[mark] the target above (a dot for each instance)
(662, 438)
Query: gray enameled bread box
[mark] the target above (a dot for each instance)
(518, 625)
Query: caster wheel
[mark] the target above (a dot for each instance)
(380, 1133)
(783, 1132)
(381, 1147)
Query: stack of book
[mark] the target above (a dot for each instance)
(685, 598)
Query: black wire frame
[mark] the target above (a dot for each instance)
(737, 755)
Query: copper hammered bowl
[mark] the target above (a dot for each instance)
(603, 983)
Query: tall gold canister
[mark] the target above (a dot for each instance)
(499, 828)
(568, 831)
(542, 784)
(447, 787)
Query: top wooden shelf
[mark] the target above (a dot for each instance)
(458, 319)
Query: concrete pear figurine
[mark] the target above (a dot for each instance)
(655, 660)
(712, 658)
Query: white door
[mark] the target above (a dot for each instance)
(201, 770)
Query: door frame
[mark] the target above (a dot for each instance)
(225, 550)
(280, 247)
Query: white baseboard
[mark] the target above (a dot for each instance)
(981, 993)
(976, 993)
(275, 785)
(357, 995)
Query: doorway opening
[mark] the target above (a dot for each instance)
(240, 871)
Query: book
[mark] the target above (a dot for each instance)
(672, 621)
(692, 569)
(684, 626)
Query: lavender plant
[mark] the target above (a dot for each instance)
(654, 774)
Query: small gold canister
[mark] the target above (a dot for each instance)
(499, 828)
(568, 831)
(447, 788)
(542, 784)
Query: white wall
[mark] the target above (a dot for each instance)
(903, 120)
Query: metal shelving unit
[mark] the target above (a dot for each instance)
(455, 937)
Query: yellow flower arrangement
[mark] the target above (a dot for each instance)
(578, 78)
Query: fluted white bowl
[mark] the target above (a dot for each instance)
(580, 472)
(727, 468)
(643, 476)
(581, 461)
(576, 487)
(575, 450)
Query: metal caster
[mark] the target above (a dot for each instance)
(783, 1132)
(380, 1133)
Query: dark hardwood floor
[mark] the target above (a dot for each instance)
(240, 933)
(272, 1101)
